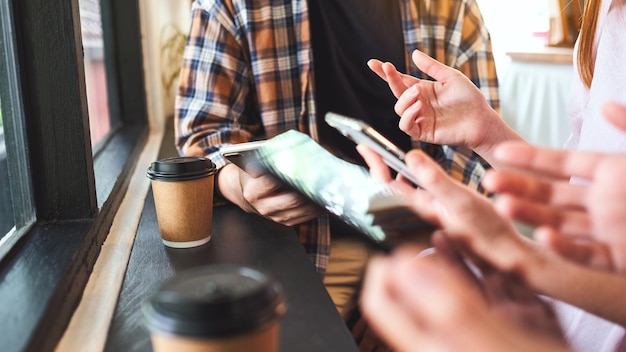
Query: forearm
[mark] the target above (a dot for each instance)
(595, 291)
(213, 94)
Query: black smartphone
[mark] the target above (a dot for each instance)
(361, 132)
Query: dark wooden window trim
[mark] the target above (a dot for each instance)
(76, 196)
(15, 136)
(57, 120)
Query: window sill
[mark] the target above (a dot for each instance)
(40, 291)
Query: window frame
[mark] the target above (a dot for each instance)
(66, 217)
(14, 135)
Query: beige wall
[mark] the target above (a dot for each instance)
(160, 19)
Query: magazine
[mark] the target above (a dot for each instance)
(344, 189)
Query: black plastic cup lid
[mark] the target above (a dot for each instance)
(181, 168)
(215, 301)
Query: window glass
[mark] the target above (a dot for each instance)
(6, 207)
(95, 77)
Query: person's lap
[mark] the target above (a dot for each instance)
(344, 274)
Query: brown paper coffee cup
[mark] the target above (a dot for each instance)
(216, 308)
(183, 198)
(265, 340)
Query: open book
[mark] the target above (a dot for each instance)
(344, 189)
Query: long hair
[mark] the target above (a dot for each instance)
(588, 26)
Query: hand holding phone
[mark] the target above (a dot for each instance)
(362, 133)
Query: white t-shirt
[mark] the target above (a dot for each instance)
(591, 131)
(586, 332)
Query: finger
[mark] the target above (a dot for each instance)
(588, 253)
(606, 202)
(562, 193)
(570, 221)
(431, 176)
(396, 80)
(616, 114)
(383, 312)
(288, 208)
(549, 162)
(518, 184)
(608, 211)
(297, 216)
(410, 120)
(440, 295)
(377, 67)
(440, 194)
(406, 100)
(433, 68)
(378, 168)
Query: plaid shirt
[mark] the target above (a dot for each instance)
(247, 74)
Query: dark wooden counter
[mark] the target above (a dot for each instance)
(311, 323)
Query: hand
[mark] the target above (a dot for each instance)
(591, 209)
(450, 110)
(266, 196)
(582, 220)
(424, 305)
(462, 213)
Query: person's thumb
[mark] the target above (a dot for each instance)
(433, 68)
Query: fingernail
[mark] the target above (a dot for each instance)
(426, 252)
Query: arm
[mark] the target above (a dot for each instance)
(471, 220)
(597, 292)
(216, 105)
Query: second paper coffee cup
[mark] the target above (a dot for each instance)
(183, 197)
(216, 308)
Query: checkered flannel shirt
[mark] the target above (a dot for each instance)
(247, 74)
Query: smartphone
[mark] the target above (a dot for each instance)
(244, 156)
(362, 133)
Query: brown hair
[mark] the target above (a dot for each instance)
(585, 56)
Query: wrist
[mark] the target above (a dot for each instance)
(496, 132)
